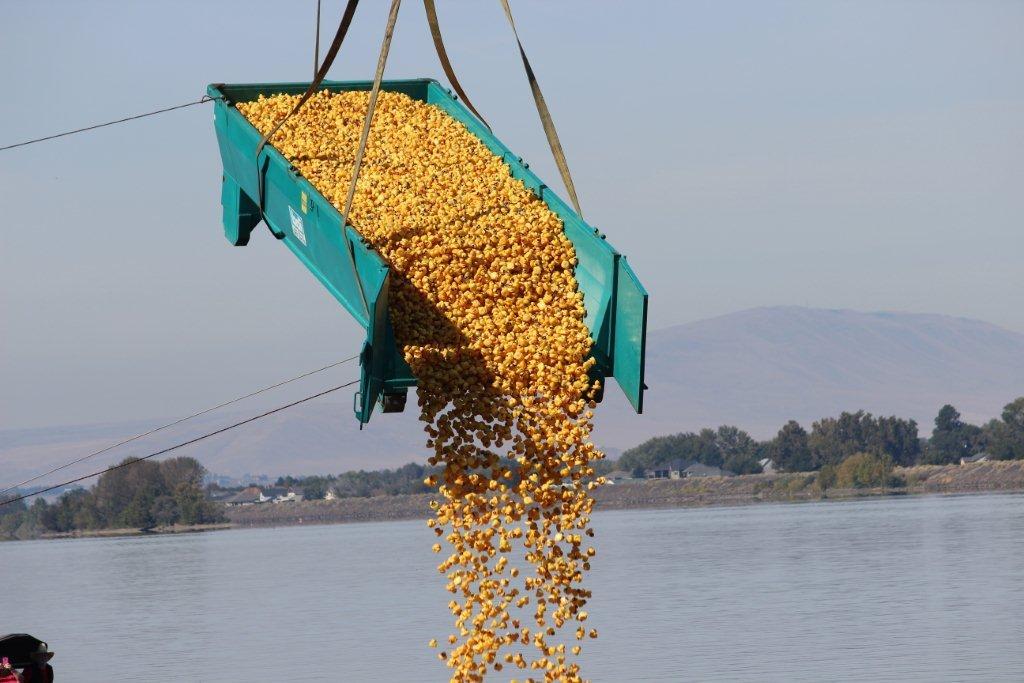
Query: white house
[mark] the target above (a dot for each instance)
(251, 495)
(977, 457)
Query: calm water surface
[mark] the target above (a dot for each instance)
(903, 589)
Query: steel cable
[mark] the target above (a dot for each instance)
(204, 100)
(177, 422)
(175, 447)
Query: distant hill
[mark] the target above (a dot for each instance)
(755, 369)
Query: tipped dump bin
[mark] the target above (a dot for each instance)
(311, 227)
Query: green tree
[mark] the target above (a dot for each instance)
(897, 438)
(1006, 437)
(165, 511)
(33, 520)
(124, 496)
(705, 448)
(790, 450)
(193, 507)
(952, 438)
(66, 511)
(737, 450)
(181, 470)
(315, 488)
(832, 440)
(702, 447)
(138, 513)
(11, 514)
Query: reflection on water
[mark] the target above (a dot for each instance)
(921, 589)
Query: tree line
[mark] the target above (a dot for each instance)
(139, 494)
(387, 482)
(851, 450)
(832, 440)
(363, 483)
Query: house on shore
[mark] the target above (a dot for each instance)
(251, 495)
(672, 469)
(219, 495)
(767, 466)
(254, 495)
(977, 457)
(682, 469)
(283, 494)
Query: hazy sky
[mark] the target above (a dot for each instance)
(863, 155)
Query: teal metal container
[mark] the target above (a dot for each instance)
(311, 227)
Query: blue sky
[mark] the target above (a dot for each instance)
(864, 155)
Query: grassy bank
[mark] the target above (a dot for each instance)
(172, 529)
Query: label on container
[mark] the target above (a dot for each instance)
(297, 228)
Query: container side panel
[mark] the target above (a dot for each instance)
(630, 335)
(245, 92)
(595, 274)
(376, 360)
(323, 253)
(310, 227)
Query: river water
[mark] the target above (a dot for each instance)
(896, 589)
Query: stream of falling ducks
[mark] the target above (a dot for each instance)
(487, 312)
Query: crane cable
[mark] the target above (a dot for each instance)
(175, 447)
(545, 116)
(382, 60)
(332, 52)
(321, 72)
(176, 422)
(316, 42)
(442, 55)
(385, 47)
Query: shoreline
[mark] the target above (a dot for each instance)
(118, 533)
(751, 489)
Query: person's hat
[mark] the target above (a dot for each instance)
(42, 653)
